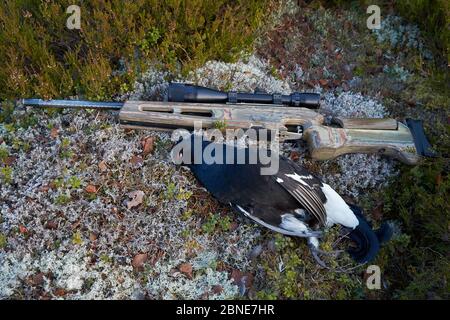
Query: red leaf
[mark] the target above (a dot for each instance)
(248, 279)
(439, 180)
(377, 212)
(147, 145)
(236, 276)
(234, 226)
(139, 260)
(37, 279)
(102, 166)
(93, 236)
(44, 188)
(51, 225)
(54, 133)
(294, 156)
(217, 289)
(91, 189)
(186, 269)
(136, 161)
(9, 160)
(23, 229)
(242, 278)
(60, 292)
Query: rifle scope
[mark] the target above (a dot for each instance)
(183, 92)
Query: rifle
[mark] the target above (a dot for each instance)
(187, 104)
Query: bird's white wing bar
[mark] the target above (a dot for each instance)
(291, 223)
(298, 233)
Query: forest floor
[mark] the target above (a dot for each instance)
(92, 211)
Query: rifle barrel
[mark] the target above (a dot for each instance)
(76, 104)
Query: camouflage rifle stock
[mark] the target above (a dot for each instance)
(285, 114)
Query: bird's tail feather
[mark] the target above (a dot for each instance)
(366, 239)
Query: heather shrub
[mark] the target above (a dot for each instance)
(41, 57)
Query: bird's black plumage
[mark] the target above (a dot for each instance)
(291, 201)
(242, 185)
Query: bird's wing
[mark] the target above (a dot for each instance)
(289, 232)
(305, 188)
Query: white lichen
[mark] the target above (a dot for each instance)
(400, 34)
(246, 76)
(165, 282)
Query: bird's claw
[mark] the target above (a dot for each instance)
(316, 253)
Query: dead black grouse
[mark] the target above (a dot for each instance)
(293, 201)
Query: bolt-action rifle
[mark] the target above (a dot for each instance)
(292, 116)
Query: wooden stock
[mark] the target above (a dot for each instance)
(327, 142)
(170, 115)
(382, 136)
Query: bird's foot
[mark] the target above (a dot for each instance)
(334, 253)
(318, 254)
(313, 244)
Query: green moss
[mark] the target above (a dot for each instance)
(65, 152)
(186, 233)
(161, 145)
(74, 182)
(419, 198)
(220, 125)
(20, 145)
(291, 273)
(225, 223)
(77, 238)
(105, 258)
(3, 153)
(6, 174)
(151, 39)
(65, 143)
(274, 72)
(183, 195)
(10, 127)
(170, 192)
(59, 182)
(210, 225)
(432, 17)
(6, 111)
(215, 223)
(266, 295)
(3, 241)
(62, 198)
